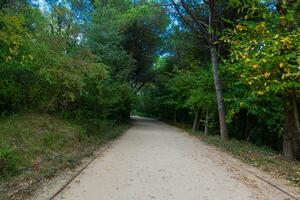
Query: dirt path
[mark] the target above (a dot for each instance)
(156, 161)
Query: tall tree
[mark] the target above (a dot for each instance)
(205, 19)
(265, 55)
(128, 35)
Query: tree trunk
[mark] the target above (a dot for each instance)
(291, 137)
(206, 123)
(219, 92)
(175, 117)
(196, 124)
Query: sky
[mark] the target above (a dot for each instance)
(41, 4)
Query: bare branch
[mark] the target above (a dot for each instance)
(189, 21)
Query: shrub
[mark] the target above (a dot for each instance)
(8, 162)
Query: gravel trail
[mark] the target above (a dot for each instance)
(153, 160)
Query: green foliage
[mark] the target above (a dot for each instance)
(45, 67)
(16, 75)
(87, 60)
(77, 64)
(265, 55)
(196, 87)
(259, 70)
(8, 162)
(35, 146)
(263, 61)
(184, 84)
(104, 38)
(126, 37)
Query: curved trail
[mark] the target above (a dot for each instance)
(153, 160)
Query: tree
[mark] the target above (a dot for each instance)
(265, 54)
(194, 86)
(204, 18)
(126, 36)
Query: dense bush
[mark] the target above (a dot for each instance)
(40, 69)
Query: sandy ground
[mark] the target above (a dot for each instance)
(153, 160)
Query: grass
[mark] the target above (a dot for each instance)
(261, 157)
(34, 147)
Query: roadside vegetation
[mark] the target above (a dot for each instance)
(35, 147)
(262, 157)
(69, 74)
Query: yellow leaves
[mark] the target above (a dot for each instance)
(239, 27)
(13, 49)
(260, 92)
(242, 104)
(262, 24)
(286, 41)
(247, 60)
(283, 21)
(265, 59)
(239, 54)
(244, 55)
(281, 65)
(260, 28)
(255, 66)
(284, 76)
(7, 58)
(267, 74)
(254, 41)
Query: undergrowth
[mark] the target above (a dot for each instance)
(34, 147)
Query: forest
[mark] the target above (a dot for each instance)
(229, 69)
